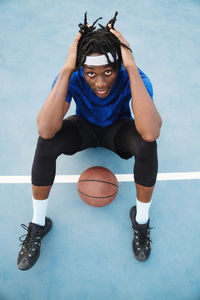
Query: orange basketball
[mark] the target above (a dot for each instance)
(97, 186)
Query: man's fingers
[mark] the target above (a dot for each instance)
(77, 37)
(114, 29)
(117, 34)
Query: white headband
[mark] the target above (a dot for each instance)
(99, 60)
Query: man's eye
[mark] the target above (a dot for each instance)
(108, 72)
(91, 74)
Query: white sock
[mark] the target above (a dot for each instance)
(142, 212)
(39, 211)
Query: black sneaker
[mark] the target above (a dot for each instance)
(30, 250)
(141, 243)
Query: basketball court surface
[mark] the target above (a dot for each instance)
(88, 253)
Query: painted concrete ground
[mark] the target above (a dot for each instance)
(88, 254)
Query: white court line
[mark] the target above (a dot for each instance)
(120, 177)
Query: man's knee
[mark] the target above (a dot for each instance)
(45, 148)
(146, 164)
(147, 149)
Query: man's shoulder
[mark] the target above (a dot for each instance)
(143, 75)
(147, 82)
(123, 72)
(145, 79)
(75, 78)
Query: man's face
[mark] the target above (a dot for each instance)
(100, 79)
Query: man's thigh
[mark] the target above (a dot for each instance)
(122, 138)
(74, 136)
(88, 137)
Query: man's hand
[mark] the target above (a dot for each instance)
(70, 63)
(127, 55)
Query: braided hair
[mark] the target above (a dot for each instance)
(99, 41)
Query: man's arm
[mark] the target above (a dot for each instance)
(147, 119)
(51, 115)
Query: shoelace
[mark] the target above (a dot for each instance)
(144, 235)
(29, 238)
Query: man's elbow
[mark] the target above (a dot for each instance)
(152, 136)
(47, 133)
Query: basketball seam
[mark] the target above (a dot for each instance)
(97, 180)
(95, 196)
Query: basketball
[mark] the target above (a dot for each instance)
(97, 186)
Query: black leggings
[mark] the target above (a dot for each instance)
(77, 134)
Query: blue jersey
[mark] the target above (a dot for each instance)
(103, 111)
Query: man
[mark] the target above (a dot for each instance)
(101, 75)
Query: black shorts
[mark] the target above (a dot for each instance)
(93, 136)
(77, 134)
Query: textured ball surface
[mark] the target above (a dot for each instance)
(97, 186)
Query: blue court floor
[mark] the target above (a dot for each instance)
(88, 254)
